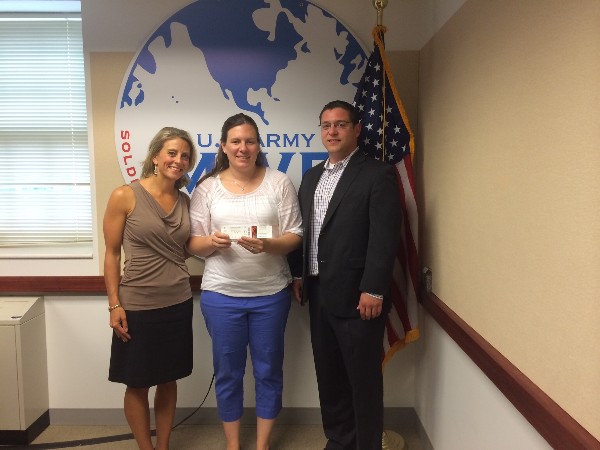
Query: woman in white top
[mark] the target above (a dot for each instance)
(245, 220)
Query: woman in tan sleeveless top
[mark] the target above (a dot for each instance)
(150, 306)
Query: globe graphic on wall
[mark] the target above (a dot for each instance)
(277, 61)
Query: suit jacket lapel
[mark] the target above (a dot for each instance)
(348, 177)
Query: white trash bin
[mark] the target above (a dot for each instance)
(24, 404)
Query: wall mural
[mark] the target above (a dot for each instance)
(278, 61)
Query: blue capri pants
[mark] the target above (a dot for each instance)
(234, 323)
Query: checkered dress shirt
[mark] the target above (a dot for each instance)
(327, 183)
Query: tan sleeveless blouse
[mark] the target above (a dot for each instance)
(155, 273)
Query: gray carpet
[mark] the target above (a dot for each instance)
(194, 437)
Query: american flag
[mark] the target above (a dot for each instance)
(386, 135)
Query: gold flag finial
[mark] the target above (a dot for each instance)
(379, 5)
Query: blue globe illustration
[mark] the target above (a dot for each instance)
(278, 61)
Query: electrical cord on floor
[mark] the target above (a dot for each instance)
(199, 406)
(103, 439)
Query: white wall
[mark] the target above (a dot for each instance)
(78, 343)
(459, 407)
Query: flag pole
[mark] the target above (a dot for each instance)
(390, 440)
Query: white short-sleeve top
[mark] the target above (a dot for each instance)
(234, 271)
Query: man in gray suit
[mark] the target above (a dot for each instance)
(351, 218)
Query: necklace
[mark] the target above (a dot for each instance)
(241, 186)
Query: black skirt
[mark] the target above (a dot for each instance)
(160, 349)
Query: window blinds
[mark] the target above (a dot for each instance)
(45, 197)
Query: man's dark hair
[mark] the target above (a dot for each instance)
(344, 105)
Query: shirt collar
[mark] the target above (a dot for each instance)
(344, 162)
